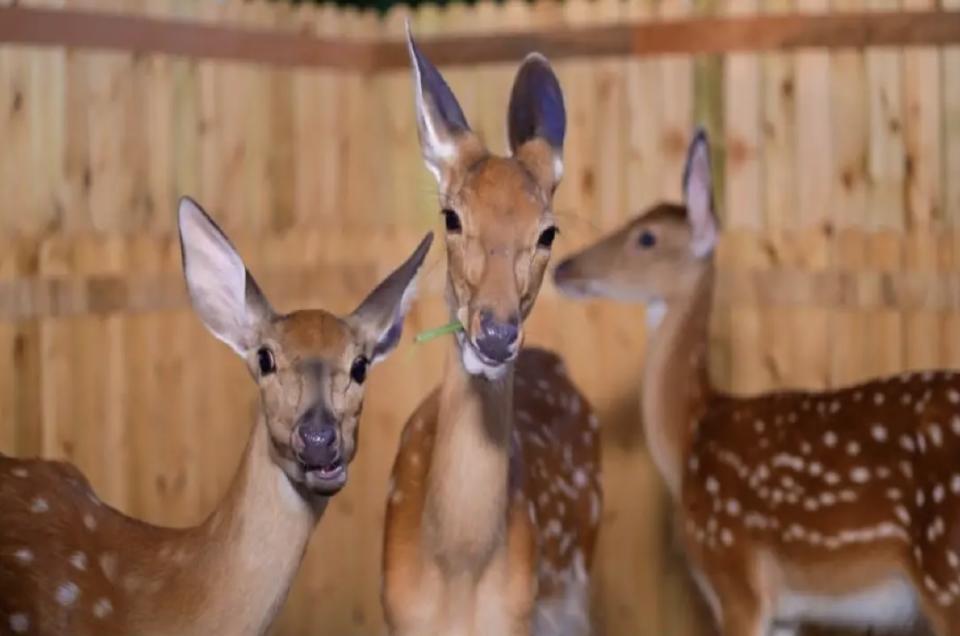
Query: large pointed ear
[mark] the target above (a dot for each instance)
(444, 133)
(698, 195)
(537, 120)
(379, 318)
(221, 289)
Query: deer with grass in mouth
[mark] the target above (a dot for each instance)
(839, 507)
(494, 499)
(70, 564)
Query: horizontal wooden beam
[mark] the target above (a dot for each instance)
(97, 30)
(136, 34)
(694, 36)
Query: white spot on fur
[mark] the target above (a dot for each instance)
(67, 594)
(20, 472)
(860, 475)
(89, 521)
(23, 555)
(906, 442)
(879, 432)
(79, 561)
(830, 439)
(19, 623)
(39, 505)
(102, 608)
(936, 437)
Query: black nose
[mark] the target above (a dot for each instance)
(496, 339)
(320, 440)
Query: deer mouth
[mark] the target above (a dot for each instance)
(327, 479)
(476, 363)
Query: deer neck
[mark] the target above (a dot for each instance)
(676, 383)
(467, 485)
(237, 567)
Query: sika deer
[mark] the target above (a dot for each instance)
(71, 565)
(839, 507)
(495, 496)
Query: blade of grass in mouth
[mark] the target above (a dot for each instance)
(430, 334)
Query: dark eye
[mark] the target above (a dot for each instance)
(265, 361)
(647, 239)
(358, 370)
(452, 221)
(547, 236)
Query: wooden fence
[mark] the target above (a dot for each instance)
(838, 144)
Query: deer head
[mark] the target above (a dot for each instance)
(659, 255)
(310, 365)
(497, 210)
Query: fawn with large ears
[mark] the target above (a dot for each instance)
(70, 564)
(839, 507)
(310, 365)
(495, 495)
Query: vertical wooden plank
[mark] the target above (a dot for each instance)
(743, 207)
(849, 129)
(922, 132)
(884, 328)
(950, 245)
(814, 217)
(676, 105)
(642, 166)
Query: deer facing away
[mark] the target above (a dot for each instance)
(495, 499)
(69, 564)
(839, 507)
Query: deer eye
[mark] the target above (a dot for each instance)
(647, 239)
(358, 370)
(265, 361)
(547, 237)
(451, 221)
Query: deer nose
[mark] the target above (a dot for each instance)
(497, 339)
(319, 441)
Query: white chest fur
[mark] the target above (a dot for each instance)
(890, 603)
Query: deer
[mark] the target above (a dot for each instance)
(71, 564)
(494, 496)
(839, 507)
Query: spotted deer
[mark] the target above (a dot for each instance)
(839, 507)
(494, 498)
(70, 564)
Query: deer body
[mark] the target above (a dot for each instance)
(494, 499)
(70, 564)
(114, 574)
(519, 553)
(839, 507)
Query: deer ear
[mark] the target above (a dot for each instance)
(698, 195)
(222, 291)
(537, 120)
(379, 318)
(441, 125)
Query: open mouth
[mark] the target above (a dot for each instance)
(476, 363)
(327, 479)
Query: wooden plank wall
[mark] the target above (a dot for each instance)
(840, 256)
